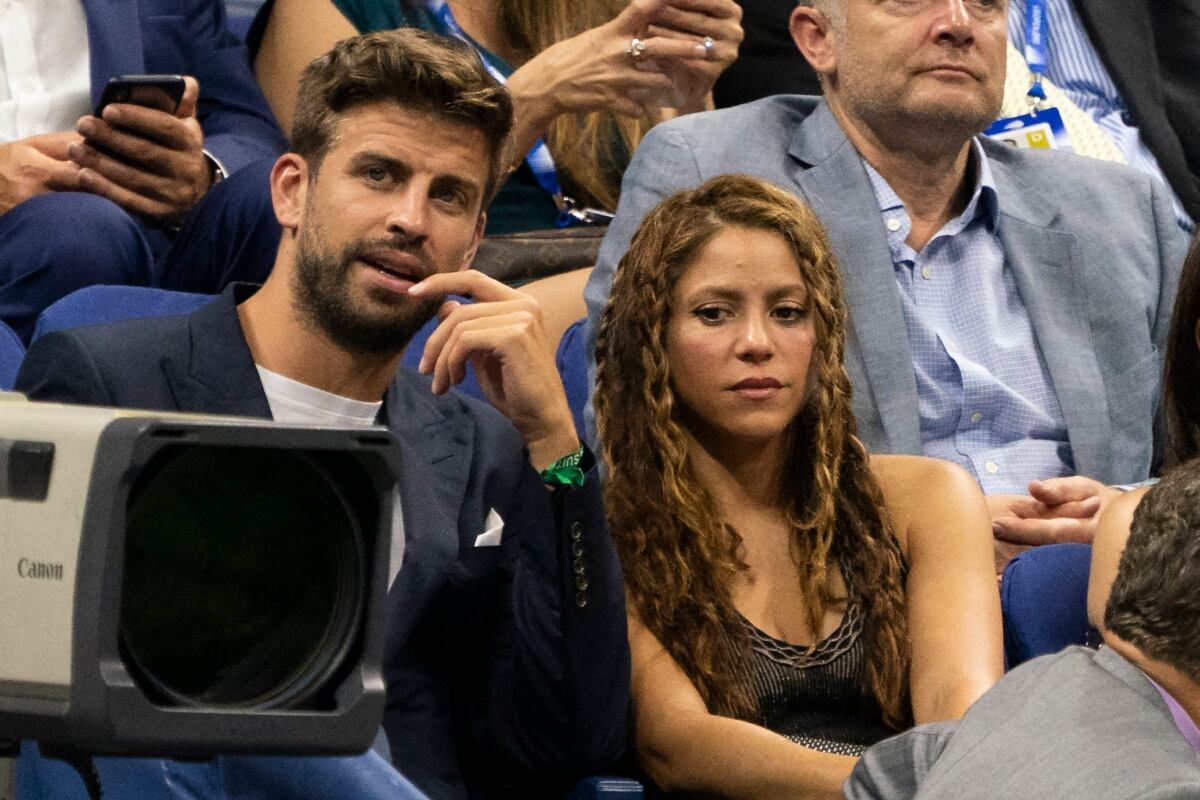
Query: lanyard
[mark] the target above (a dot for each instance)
(538, 158)
(1037, 47)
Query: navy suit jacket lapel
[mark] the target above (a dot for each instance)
(114, 41)
(830, 173)
(1043, 260)
(218, 374)
(435, 459)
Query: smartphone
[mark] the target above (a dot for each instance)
(161, 92)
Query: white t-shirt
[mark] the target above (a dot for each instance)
(295, 402)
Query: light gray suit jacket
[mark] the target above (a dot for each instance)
(1094, 248)
(1077, 724)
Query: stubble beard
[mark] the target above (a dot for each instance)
(943, 125)
(382, 322)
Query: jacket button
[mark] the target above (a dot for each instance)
(581, 600)
(576, 531)
(579, 565)
(577, 548)
(581, 582)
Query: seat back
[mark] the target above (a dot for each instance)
(1043, 597)
(96, 305)
(11, 353)
(572, 363)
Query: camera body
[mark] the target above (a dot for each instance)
(185, 585)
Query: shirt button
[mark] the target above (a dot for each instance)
(926, 272)
(950, 347)
(893, 224)
(976, 417)
(991, 467)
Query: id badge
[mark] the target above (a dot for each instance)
(1039, 130)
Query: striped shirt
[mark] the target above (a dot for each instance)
(1074, 66)
(984, 395)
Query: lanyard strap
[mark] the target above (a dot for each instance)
(1037, 47)
(538, 158)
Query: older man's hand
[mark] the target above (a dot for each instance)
(1055, 510)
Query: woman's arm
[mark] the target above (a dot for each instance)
(297, 32)
(594, 70)
(953, 602)
(683, 747)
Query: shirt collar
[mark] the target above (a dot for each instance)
(1187, 726)
(984, 200)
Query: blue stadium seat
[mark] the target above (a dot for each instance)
(11, 353)
(1043, 597)
(95, 305)
(572, 363)
(239, 14)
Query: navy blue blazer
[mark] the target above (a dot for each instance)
(507, 666)
(188, 37)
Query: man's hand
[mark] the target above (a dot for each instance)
(145, 160)
(36, 165)
(1056, 510)
(501, 334)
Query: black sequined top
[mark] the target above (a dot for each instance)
(817, 696)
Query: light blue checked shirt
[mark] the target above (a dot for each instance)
(983, 391)
(1074, 66)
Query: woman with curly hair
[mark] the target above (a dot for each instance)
(791, 599)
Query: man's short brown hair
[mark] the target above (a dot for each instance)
(1155, 599)
(419, 71)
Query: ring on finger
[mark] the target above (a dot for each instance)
(636, 48)
(708, 46)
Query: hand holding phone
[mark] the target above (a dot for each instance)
(143, 149)
(161, 92)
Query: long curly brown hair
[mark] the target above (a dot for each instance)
(680, 557)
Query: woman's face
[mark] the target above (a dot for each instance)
(740, 338)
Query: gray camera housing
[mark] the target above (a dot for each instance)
(63, 679)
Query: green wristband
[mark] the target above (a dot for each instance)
(566, 471)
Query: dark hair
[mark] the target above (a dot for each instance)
(1155, 599)
(1181, 369)
(678, 552)
(417, 70)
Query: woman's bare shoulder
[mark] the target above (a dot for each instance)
(920, 489)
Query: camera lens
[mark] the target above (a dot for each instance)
(244, 577)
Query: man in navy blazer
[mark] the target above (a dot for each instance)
(507, 663)
(93, 199)
(1007, 308)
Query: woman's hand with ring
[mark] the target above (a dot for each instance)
(714, 28)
